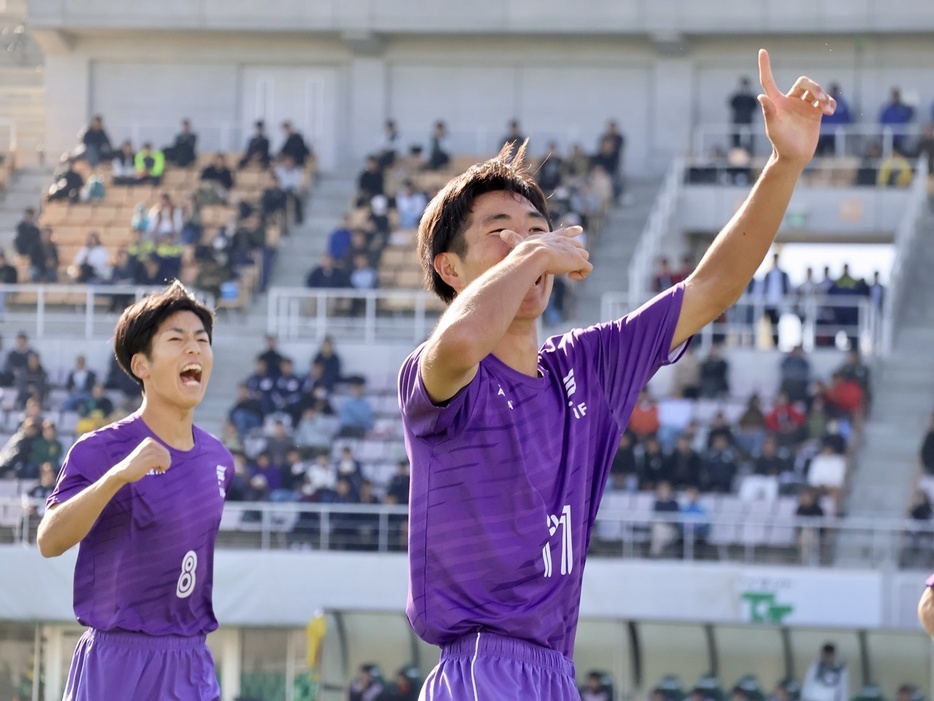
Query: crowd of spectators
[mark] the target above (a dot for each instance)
(391, 194)
(293, 438)
(796, 445)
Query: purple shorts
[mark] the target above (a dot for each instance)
(488, 667)
(120, 665)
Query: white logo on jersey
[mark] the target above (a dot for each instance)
(221, 478)
(155, 473)
(567, 546)
(187, 579)
(570, 387)
(501, 393)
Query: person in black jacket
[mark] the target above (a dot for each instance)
(257, 148)
(182, 152)
(294, 146)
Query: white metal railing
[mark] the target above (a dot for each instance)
(906, 236)
(653, 233)
(369, 315)
(72, 311)
(753, 534)
(847, 140)
(810, 321)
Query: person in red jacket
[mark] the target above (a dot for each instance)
(785, 421)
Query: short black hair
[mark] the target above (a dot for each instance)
(140, 321)
(447, 216)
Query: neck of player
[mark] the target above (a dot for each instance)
(518, 348)
(173, 425)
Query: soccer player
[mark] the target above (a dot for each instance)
(143, 497)
(510, 443)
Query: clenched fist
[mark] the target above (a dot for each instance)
(148, 456)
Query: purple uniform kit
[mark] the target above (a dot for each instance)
(507, 478)
(144, 574)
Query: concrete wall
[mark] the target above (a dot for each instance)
(340, 86)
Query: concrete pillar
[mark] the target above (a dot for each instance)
(67, 102)
(368, 105)
(672, 92)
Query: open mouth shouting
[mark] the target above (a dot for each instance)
(191, 375)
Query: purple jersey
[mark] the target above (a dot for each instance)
(507, 478)
(147, 564)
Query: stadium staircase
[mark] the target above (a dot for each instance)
(240, 335)
(886, 465)
(613, 249)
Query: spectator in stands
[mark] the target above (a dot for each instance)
(165, 218)
(664, 533)
(410, 203)
(18, 357)
(8, 276)
(247, 412)
(686, 375)
(27, 233)
(92, 261)
(550, 169)
(827, 679)
(98, 406)
(876, 292)
(785, 421)
(773, 460)
(150, 164)
(683, 464)
(827, 471)
(355, 416)
(313, 430)
(16, 454)
(66, 183)
(274, 199)
(624, 472)
(182, 151)
(362, 277)
(294, 146)
(718, 467)
(854, 369)
(397, 491)
(773, 289)
(264, 477)
(261, 385)
(122, 272)
(292, 180)
(149, 274)
(279, 444)
(40, 494)
(79, 383)
(844, 397)
(288, 387)
(895, 170)
(652, 466)
(795, 372)
(347, 467)
(743, 105)
(169, 253)
(327, 275)
(867, 174)
(257, 148)
(358, 244)
(95, 141)
(47, 449)
(367, 685)
(389, 144)
(809, 535)
(907, 692)
(327, 356)
(339, 239)
(918, 536)
(897, 115)
(927, 450)
(831, 123)
(439, 150)
(271, 356)
(714, 374)
(219, 176)
(44, 260)
(594, 688)
(314, 389)
(675, 414)
(751, 427)
(124, 165)
(370, 182)
(664, 275)
(719, 426)
(644, 421)
(695, 521)
(609, 156)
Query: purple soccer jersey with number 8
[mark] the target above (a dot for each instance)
(147, 565)
(507, 478)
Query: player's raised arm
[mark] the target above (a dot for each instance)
(792, 123)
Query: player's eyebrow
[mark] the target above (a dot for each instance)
(503, 216)
(176, 329)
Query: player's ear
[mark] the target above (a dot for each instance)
(139, 365)
(447, 265)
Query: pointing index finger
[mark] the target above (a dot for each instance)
(765, 74)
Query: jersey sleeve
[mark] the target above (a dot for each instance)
(85, 463)
(629, 351)
(424, 418)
